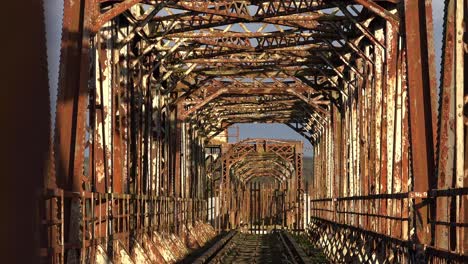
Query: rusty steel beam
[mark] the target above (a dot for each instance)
(259, 36)
(380, 11)
(238, 9)
(118, 9)
(446, 136)
(420, 112)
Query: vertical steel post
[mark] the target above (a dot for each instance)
(420, 113)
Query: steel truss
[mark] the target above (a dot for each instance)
(244, 199)
(147, 86)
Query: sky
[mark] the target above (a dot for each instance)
(53, 10)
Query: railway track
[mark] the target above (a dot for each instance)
(277, 247)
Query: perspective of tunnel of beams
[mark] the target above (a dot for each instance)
(258, 173)
(249, 61)
(147, 90)
(257, 158)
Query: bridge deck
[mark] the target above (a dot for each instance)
(272, 247)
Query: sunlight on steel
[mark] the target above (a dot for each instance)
(148, 89)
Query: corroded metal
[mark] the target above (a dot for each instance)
(260, 184)
(148, 88)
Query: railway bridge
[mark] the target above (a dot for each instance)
(140, 168)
